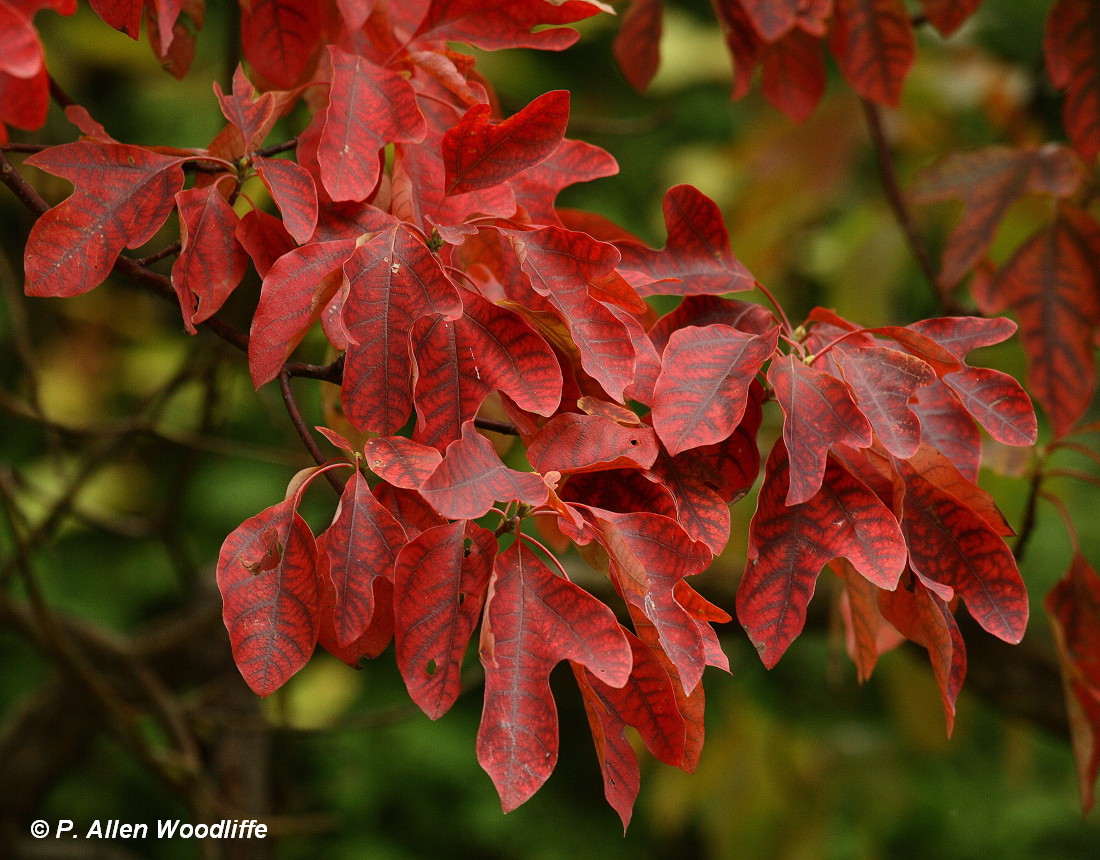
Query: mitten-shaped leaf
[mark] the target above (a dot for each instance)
(479, 153)
(696, 258)
(818, 412)
(472, 477)
(439, 588)
(533, 620)
(121, 196)
(700, 396)
(789, 544)
(270, 599)
(362, 545)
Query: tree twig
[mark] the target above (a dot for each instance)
(303, 430)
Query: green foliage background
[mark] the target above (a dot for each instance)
(799, 762)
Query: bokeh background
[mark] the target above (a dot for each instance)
(128, 450)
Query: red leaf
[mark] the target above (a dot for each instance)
(408, 508)
(458, 362)
(636, 46)
(439, 587)
(710, 310)
(362, 545)
(560, 264)
(920, 616)
(947, 427)
(533, 620)
(882, 381)
(270, 601)
(951, 544)
(938, 470)
(988, 181)
(1053, 286)
(121, 196)
(122, 15)
(873, 45)
(773, 19)
(793, 74)
(478, 153)
(867, 634)
(1072, 44)
(696, 258)
(649, 554)
(818, 412)
(22, 56)
(401, 461)
(496, 24)
(368, 108)
(647, 702)
(211, 262)
(264, 238)
(998, 403)
(291, 187)
(294, 292)
(251, 116)
(573, 161)
(1073, 606)
(960, 335)
(394, 280)
(690, 480)
(571, 443)
(789, 544)
(472, 477)
(701, 394)
(377, 637)
(280, 38)
(948, 15)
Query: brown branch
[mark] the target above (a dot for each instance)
(902, 215)
(303, 430)
(503, 427)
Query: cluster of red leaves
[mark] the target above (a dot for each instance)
(24, 82)
(419, 229)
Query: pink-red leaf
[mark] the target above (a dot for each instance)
(270, 600)
(400, 461)
(818, 412)
(533, 620)
(571, 443)
(696, 258)
(789, 544)
(439, 587)
(700, 396)
(291, 187)
(478, 153)
(362, 545)
(998, 403)
(121, 196)
(472, 477)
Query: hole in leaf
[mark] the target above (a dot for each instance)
(429, 670)
(633, 441)
(466, 544)
(461, 597)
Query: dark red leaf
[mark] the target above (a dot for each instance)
(988, 181)
(636, 45)
(1073, 607)
(368, 108)
(121, 196)
(948, 15)
(960, 335)
(947, 426)
(571, 443)
(280, 38)
(495, 24)
(1072, 44)
(883, 381)
(873, 45)
(789, 544)
(998, 403)
(408, 507)
(696, 258)
(1053, 285)
(439, 588)
(922, 617)
(472, 477)
(362, 545)
(264, 238)
(295, 290)
(701, 394)
(573, 161)
(951, 544)
(938, 470)
(458, 362)
(478, 153)
(393, 281)
(647, 702)
(818, 412)
(712, 310)
(773, 19)
(270, 600)
(533, 620)
(867, 634)
(793, 74)
(377, 637)
(123, 15)
(693, 485)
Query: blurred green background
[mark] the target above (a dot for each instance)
(168, 449)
